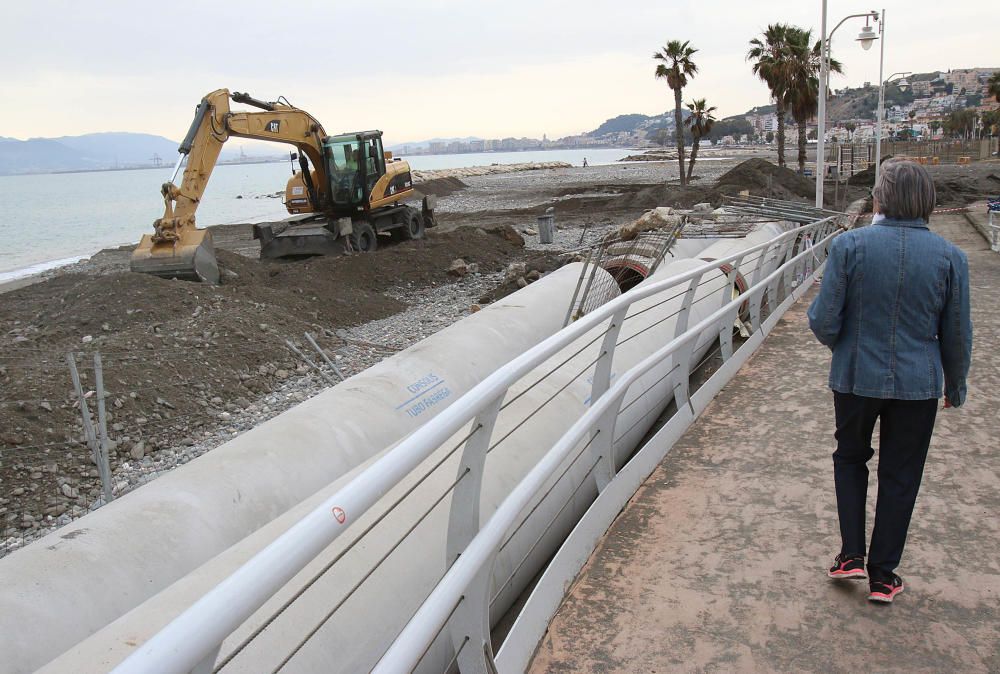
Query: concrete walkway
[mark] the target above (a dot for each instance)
(719, 562)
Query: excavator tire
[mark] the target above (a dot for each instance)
(414, 226)
(363, 238)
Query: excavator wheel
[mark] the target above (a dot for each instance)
(414, 226)
(363, 238)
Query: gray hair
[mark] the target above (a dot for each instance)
(905, 191)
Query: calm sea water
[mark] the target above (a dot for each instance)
(47, 221)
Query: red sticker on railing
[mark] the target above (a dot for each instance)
(339, 514)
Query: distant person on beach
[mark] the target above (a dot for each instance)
(894, 309)
(584, 162)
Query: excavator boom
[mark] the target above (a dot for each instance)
(177, 248)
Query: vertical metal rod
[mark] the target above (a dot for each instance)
(88, 429)
(102, 425)
(821, 113)
(325, 357)
(590, 282)
(576, 291)
(881, 100)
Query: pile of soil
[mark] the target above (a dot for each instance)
(960, 190)
(439, 187)
(763, 178)
(759, 176)
(178, 355)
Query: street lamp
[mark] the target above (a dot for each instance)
(866, 38)
(903, 86)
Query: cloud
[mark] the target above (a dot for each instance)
(422, 69)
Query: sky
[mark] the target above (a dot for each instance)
(431, 68)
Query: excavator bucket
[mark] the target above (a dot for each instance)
(190, 258)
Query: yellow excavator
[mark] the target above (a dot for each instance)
(348, 191)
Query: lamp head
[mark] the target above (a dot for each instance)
(903, 84)
(866, 37)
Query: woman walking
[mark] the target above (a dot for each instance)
(894, 309)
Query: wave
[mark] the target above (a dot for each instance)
(38, 268)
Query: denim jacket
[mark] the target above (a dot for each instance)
(894, 309)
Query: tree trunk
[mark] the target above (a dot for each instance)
(802, 146)
(694, 156)
(679, 123)
(780, 111)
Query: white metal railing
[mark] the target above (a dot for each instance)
(192, 641)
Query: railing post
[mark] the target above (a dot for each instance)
(471, 622)
(470, 626)
(602, 373)
(729, 322)
(685, 312)
(759, 268)
(601, 446)
(682, 390)
(463, 519)
(756, 300)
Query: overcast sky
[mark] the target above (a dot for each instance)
(429, 67)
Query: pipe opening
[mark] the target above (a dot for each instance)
(627, 273)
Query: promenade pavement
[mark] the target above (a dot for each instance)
(719, 562)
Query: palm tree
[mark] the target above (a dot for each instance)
(993, 86)
(700, 121)
(770, 55)
(676, 67)
(935, 125)
(801, 94)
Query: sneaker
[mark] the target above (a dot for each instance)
(885, 590)
(847, 567)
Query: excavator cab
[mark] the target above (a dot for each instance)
(354, 164)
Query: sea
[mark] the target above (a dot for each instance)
(51, 220)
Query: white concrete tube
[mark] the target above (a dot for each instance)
(354, 638)
(77, 580)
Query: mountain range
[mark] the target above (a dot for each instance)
(92, 151)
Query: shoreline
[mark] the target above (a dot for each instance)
(35, 272)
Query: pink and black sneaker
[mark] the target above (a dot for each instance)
(847, 567)
(885, 590)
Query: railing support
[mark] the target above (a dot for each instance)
(463, 519)
(469, 628)
(602, 436)
(685, 312)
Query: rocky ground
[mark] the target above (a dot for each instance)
(188, 366)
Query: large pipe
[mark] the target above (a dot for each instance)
(356, 635)
(407, 547)
(75, 581)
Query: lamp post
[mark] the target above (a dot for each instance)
(866, 38)
(903, 85)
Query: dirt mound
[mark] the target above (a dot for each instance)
(177, 355)
(761, 176)
(866, 178)
(439, 187)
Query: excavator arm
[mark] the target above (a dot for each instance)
(177, 248)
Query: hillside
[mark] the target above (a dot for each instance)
(626, 125)
(88, 152)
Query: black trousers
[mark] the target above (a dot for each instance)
(905, 434)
